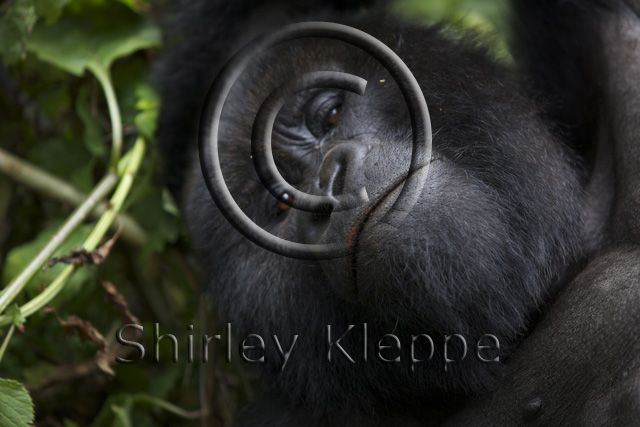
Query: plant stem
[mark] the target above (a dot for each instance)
(5, 343)
(38, 179)
(119, 196)
(99, 230)
(16, 285)
(104, 78)
(51, 186)
(170, 407)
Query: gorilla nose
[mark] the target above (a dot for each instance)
(342, 171)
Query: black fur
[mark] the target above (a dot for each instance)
(497, 230)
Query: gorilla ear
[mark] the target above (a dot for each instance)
(621, 58)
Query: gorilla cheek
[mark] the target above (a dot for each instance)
(425, 268)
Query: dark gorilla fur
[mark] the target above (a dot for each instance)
(499, 227)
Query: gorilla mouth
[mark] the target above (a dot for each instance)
(356, 232)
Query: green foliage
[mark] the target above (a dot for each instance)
(17, 318)
(18, 21)
(485, 17)
(15, 26)
(65, 129)
(50, 10)
(148, 104)
(16, 407)
(93, 129)
(18, 258)
(93, 39)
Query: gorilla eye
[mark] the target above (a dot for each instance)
(333, 116)
(283, 206)
(324, 112)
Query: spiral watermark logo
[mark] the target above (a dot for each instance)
(208, 144)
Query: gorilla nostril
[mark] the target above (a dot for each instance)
(325, 210)
(341, 170)
(335, 177)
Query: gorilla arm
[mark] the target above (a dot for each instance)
(581, 364)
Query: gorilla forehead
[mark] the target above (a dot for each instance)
(473, 100)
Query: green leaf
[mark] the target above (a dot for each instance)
(107, 416)
(127, 75)
(148, 98)
(485, 18)
(82, 177)
(123, 416)
(137, 5)
(169, 204)
(16, 404)
(146, 123)
(78, 6)
(15, 26)
(60, 156)
(148, 103)
(50, 9)
(161, 385)
(163, 226)
(93, 132)
(94, 38)
(16, 314)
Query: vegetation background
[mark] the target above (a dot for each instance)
(79, 180)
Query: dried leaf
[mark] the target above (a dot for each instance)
(81, 256)
(103, 359)
(87, 332)
(119, 302)
(84, 329)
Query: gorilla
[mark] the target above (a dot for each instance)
(506, 295)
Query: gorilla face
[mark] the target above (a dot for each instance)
(495, 228)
